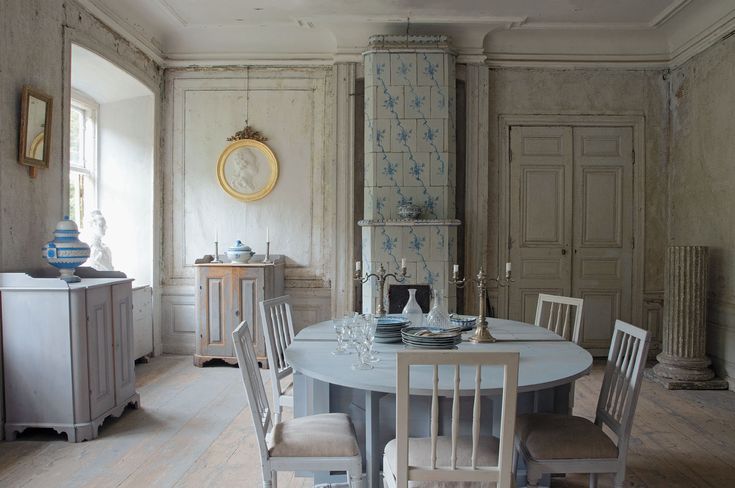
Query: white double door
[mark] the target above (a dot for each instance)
(571, 228)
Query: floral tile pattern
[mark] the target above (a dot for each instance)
(409, 158)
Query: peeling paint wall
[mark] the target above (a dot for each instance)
(702, 206)
(33, 51)
(517, 91)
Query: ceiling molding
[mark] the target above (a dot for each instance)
(173, 13)
(186, 60)
(668, 13)
(700, 42)
(125, 30)
(578, 61)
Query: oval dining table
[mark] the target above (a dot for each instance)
(324, 382)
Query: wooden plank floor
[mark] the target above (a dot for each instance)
(194, 430)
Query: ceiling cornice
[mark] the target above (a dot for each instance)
(678, 54)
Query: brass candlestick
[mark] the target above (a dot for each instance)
(482, 333)
(381, 276)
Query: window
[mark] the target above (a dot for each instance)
(82, 158)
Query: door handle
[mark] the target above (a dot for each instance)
(563, 252)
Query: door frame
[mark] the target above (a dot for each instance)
(637, 122)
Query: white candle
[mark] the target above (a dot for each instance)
(403, 263)
(507, 268)
(358, 265)
(216, 235)
(455, 269)
(267, 234)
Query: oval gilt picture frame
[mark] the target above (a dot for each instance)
(247, 170)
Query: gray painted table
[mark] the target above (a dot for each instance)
(326, 383)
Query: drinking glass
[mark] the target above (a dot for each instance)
(339, 329)
(371, 323)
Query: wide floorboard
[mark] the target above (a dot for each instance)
(194, 430)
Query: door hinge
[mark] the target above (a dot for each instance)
(632, 239)
(510, 242)
(510, 156)
(633, 156)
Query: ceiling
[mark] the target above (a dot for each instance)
(527, 32)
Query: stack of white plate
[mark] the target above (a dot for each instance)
(431, 337)
(389, 329)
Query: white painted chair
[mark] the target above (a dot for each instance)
(554, 443)
(560, 315)
(445, 460)
(278, 332)
(324, 442)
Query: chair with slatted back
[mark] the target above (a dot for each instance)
(561, 315)
(278, 332)
(324, 442)
(447, 460)
(554, 443)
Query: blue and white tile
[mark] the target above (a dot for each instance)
(431, 69)
(403, 135)
(380, 135)
(387, 245)
(440, 169)
(432, 135)
(439, 102)
(434, 273)
(418, 102)
(370, 169)
(389, 169)
(416, 167)
(416, 243)
(390, 102)
(433, 202)
(413, 193)
(378, 64)
(411, 272)
(368, 201)
(371, 96)
(403, 69)
(439, 248)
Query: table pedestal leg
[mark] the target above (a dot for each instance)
(372, 438)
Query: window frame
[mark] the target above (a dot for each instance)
(89, 153)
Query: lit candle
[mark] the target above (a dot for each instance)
(267, 234)
(455, 269)
(358, 265)
(403, 263)
(507, 268)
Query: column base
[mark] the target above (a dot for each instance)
(683, 369)
(674, 384)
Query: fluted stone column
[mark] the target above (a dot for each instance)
(683, 363)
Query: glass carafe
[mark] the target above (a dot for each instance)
(412, 311)
(438, 316)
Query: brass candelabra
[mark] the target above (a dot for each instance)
(482, 333)
(381, 276)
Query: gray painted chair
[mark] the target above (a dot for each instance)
(324, 442)
(554, 443)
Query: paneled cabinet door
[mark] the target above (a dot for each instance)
(215, 320)
(248, 291)
(122, 319)
(99, 351)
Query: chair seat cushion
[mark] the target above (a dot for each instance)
(323, 435)
(555, 436)
(419, 454)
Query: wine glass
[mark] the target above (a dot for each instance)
(371, 323)
(339, 329)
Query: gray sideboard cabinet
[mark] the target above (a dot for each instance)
(67, 353)
(227, 294)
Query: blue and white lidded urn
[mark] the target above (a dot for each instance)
(66, 252)
(239, 252)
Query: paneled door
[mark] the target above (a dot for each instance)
(540, 216)
(571, 226)
(215, 315)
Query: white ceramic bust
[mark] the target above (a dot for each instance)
(100, 256)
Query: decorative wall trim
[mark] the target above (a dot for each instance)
(343, 291)
(637, 122)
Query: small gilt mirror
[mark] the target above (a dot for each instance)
(35, 128)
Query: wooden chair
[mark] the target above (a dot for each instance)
(554, 443)
(452, 458)
(324, 442)
(555, 314)
(278, 333)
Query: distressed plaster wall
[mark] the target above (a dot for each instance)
(33, 51)
(702, 181)
(293, 107)
(516, 91)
